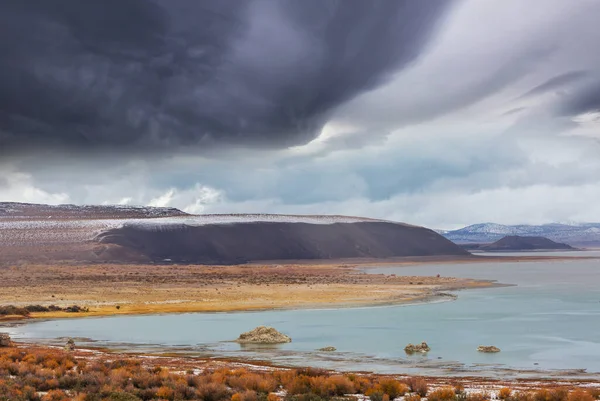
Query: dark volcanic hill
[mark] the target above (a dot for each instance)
(521, 243)
(255, 241)
(144, 234)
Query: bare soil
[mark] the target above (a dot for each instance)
(109, 289)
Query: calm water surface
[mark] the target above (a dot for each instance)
(550, 320)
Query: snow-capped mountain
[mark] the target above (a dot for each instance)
(573, 234)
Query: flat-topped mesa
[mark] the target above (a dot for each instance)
(411, 348)
(161, 235)
(194, 240)
(263, 335)
(5, 340)
(488, 349)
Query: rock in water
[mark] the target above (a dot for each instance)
(4, 340)
(327, 349)
(411, 348)
(263, 335)
(70, 346)
(488, 348)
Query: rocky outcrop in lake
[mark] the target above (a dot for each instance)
(70, 346)
(327, 349)
(412, 348)
(5, 340)
(263, 335)
(488, 349)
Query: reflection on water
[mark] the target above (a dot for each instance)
(550, 320)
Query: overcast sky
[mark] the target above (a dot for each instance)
(435, 112)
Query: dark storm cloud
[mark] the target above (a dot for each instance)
(556, 82)
(585, 100)
(124, 74)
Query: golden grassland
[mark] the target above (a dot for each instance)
(46, 374)
(111, 289)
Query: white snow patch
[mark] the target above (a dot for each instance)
(48, 231)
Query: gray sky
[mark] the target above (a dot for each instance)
(436, 113)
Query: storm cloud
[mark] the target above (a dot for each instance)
(428, 112)
(119, 75)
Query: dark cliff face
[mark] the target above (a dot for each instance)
(522, 243)
(255, 241)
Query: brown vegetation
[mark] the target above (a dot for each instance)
(43, 374)
(11, 310)
(417, 385)
(442, 394)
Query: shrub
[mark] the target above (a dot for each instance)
(580, 395)
(166, 393)
(304, 397)
(459, 388)
(252, 381)
(412, 397)
(392, 387)
(299, 385)
(555, 394)
(595, 392)
(341, 385)
(247, 395)
(56, 395)
(504, 393)
(36, 308)
(312, 372)
(417, 385)
(13, 310)
(213, 392)
(119, 396)
(442, 394)
(376, 396)
(559, 394)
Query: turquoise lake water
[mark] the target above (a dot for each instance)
(548, 321)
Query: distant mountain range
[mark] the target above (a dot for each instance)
(519, 243)
(584, 234)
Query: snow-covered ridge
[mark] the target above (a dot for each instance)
(17, 210)
(208, 219)
(45, 231)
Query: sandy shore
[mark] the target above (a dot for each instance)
(119, 289)
(141, 289)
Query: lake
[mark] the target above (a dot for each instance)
(548, 322)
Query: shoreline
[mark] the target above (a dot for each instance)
(111, 290)
(504, 376)
(435, 296)
(419, 260)
(114, 290)
(435, 371)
